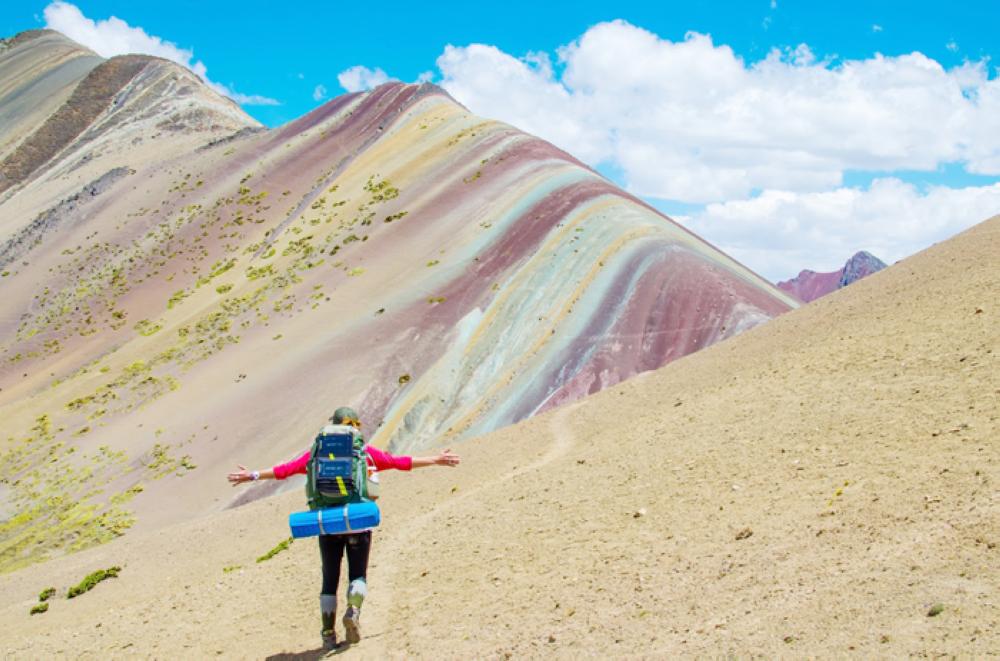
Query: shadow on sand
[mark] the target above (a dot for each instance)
(313, 654)
(309, 655)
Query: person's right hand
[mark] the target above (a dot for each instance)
(447, 458)
(241, 476)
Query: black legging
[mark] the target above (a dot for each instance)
(331, 550)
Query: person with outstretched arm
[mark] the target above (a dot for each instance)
(357, 545)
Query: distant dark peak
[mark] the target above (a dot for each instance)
(866, 257)
(860, 265)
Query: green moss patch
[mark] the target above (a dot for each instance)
(276, 550)
(91, 580)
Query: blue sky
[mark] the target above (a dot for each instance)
(754, 123)
(256, 48)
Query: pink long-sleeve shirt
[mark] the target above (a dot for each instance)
(382, 460)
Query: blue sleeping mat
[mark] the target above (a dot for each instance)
(353, 517)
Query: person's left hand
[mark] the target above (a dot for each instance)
(241, 476)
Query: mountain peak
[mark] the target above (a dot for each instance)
(861, 264)
(809, 285)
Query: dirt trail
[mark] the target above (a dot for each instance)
(558, 439)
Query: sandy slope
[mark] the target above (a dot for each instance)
(856, 439)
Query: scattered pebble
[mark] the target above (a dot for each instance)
(745, 533)
(935, 610)
(641, 512)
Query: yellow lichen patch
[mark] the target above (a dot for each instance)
(145, 327)
(57, 509)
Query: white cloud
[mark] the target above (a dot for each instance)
(319, 92)
(952, 46)
(425, 77)
(114, 36)
(360, 78)
(692, 121)
(876, 27)
(780, 233)
(528, 97)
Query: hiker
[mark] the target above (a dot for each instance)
(357, 545)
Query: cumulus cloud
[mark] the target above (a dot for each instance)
(692, 121)
(319, 92)
(780, 233)
(114, 36)
(360, 78)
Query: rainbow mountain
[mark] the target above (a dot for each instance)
(183, 289)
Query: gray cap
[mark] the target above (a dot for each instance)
(344, 413)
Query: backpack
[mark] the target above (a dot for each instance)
(337, 471)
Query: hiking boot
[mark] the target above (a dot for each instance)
(328, 613)
(356, 593)
(352, 626)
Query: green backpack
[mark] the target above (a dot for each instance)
(337, 472)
